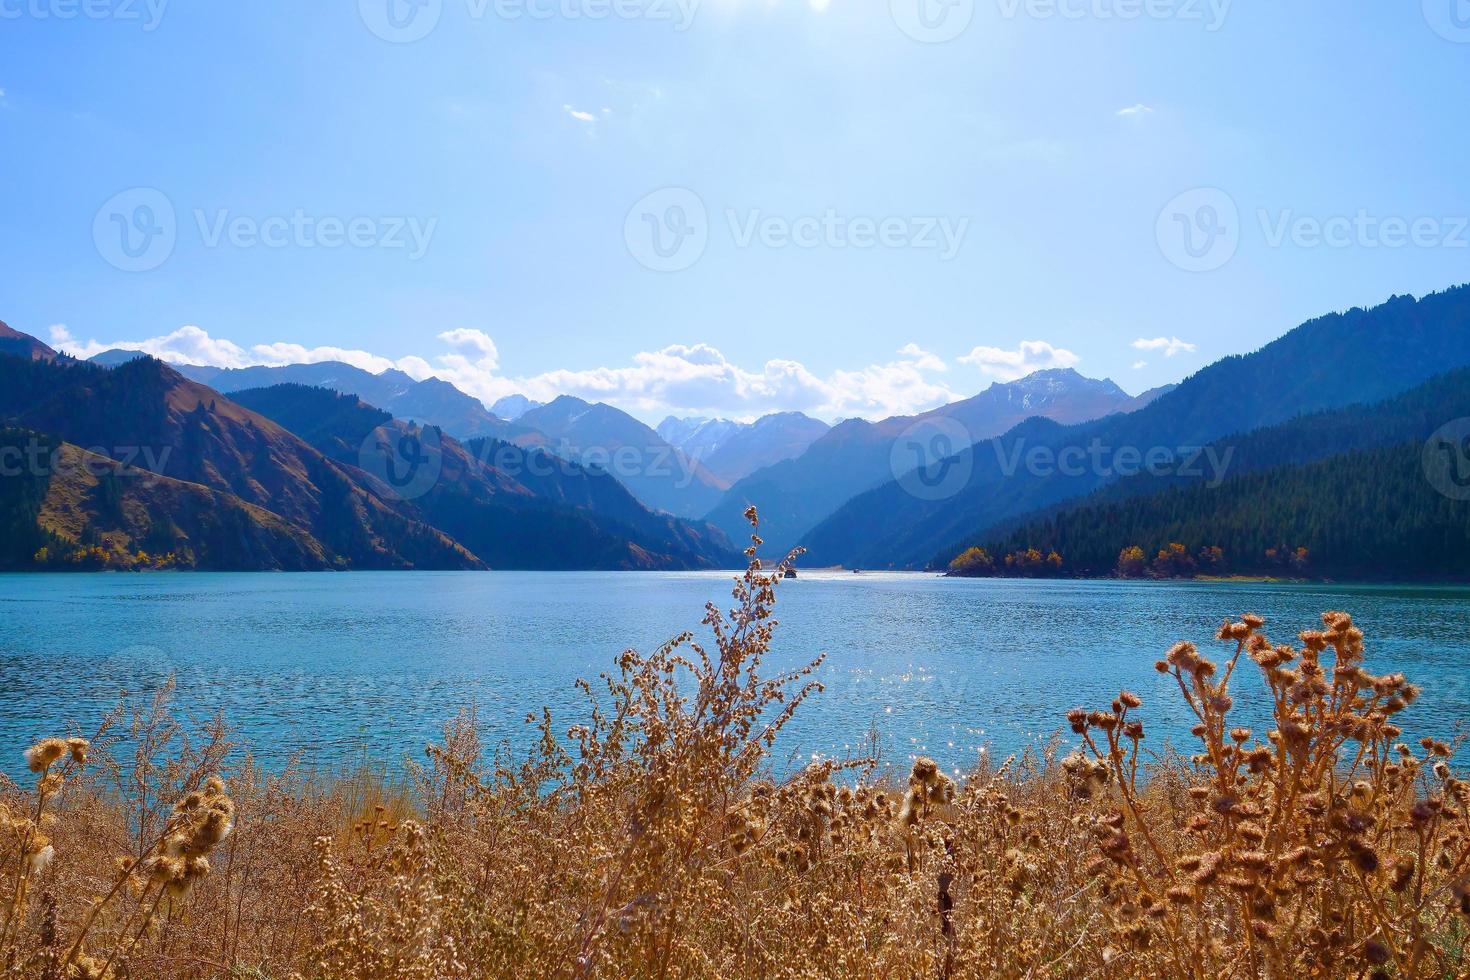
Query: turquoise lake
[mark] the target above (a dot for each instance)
(337, 666)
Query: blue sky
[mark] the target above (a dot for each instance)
(878, 222)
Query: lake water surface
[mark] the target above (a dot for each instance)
(342, 664)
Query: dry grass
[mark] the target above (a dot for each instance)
(647, 841)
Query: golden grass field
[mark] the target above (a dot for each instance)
(646, 839)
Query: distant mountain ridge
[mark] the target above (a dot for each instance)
(18, 344)
(195, 435)
(696, 437)
(1357, 356)
(432, 401)
(1347, 484)
(600, 435)
(765, 442)
(795, 495)
(512, 407)
(858, 494)
(733, 450)
(687, 475)
(513, 507)
(612, 440)
(293, 485)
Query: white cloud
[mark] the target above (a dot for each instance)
(186, 345)
(1169, 345)
(191, 345)
(476, 341)
(683, 379)
(1139, 365)
(922, 359)
(699, 380)
(579, 115)
(1032, 355)
(282, 353)
(1135, 110)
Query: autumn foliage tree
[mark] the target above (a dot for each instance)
(972, 563)
(1032, 563)
(1173, 561)
(1132, 563)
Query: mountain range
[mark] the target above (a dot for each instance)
(1355, 488)
(797, 468)
(513, 507)
(432, 401)
(299, 466)
(1361, 356)
(795, 495)
(149, 416)
(733, 450)
(220, 485)
(611, 440)
(598, 435)
(512, 407)
(17, 344)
